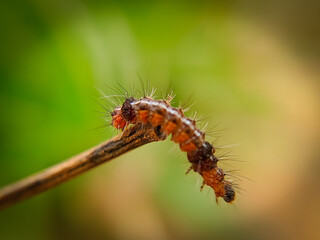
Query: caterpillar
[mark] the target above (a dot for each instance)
(170, 120)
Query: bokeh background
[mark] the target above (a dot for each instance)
(252, 68)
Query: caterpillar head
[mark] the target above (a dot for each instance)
(118, 120)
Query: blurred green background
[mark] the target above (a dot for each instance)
(253, 69)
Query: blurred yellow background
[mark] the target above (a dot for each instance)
(252, 69)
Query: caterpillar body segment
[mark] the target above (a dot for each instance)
(171, 120)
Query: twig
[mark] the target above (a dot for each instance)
(133, 137)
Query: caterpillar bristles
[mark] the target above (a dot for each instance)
(168, 120)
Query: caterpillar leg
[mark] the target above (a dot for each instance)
(189, 169)
(202, 186)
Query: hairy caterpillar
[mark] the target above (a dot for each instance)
(170, 120)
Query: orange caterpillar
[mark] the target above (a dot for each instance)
(170, 120)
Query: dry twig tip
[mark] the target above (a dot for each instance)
(134, 136)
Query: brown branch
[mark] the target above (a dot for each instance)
(133, 137)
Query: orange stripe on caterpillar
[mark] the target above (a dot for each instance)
(200, 153)
(180, 137)
(188, 147)
(143, 116)
(169, 127)
(156, 119)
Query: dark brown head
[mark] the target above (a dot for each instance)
(127, 110)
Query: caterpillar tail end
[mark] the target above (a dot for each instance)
(230, 194)
(222, 188)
